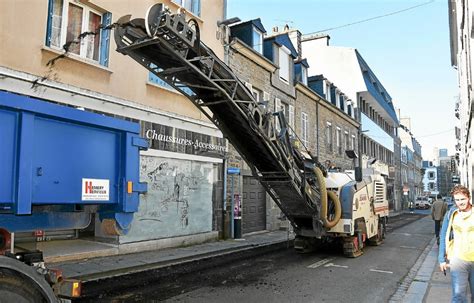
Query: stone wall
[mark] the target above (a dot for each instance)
(328, 113)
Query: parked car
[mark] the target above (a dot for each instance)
(422, 203)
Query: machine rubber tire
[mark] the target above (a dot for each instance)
(15, 288)
(378, 238)
(351, 247)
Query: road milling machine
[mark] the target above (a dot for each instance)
(319, 204)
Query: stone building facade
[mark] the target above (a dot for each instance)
(331, 121)
(94, 77)
(307, 113)
(259, 212)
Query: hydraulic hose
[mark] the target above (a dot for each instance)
(324, 201)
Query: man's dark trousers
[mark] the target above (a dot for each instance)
(437, 228)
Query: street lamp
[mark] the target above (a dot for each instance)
(223, 34)
(228, 21)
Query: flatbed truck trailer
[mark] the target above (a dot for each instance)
(60, 165)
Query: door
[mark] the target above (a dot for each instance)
(253, 205)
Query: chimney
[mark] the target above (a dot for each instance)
(320, 38)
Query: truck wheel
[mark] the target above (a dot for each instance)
(378, 238)
(15, 288)
(352, 247)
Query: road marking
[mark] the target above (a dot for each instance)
(335, 265)
(319, 263)
(382, 271)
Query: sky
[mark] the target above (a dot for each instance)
(407, 49)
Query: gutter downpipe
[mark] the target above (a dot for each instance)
(224, 191)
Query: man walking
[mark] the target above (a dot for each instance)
(438, 210)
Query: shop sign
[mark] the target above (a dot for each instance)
(167, 138)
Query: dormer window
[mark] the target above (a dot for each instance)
(349, 108)
(327, 91)
(342, 103)
(284, 63)
(257, 40)
(304, 75)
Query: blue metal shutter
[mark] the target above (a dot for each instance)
(105, 41)
(49, 23)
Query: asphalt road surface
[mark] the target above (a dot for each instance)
(287, 276)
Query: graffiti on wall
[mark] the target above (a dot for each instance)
(178, 201)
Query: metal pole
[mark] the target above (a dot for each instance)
(232, 208)
(224, 195)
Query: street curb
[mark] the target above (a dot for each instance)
(96, 284)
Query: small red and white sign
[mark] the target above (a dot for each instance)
(95, 189)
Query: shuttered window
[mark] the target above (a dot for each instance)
(79, 29)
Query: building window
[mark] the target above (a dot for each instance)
(338, 140)
(342, 102)
(353, 141)
(304, 75)
(284, 63)
(291, 117)
(193, 6)
(349, 108)
(67, 20)
(278, 108)
(152, 78)
(329, 136)
(257, 94)
(346, 140)
(265, 100)
(158, 81)
(304, 128)
(257, 40)
(327, 91)
(431, 175)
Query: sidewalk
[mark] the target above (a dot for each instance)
(428, 284)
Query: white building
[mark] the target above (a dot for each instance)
(461, 34)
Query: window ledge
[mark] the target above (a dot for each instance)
(171, 90)
(77, 58)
